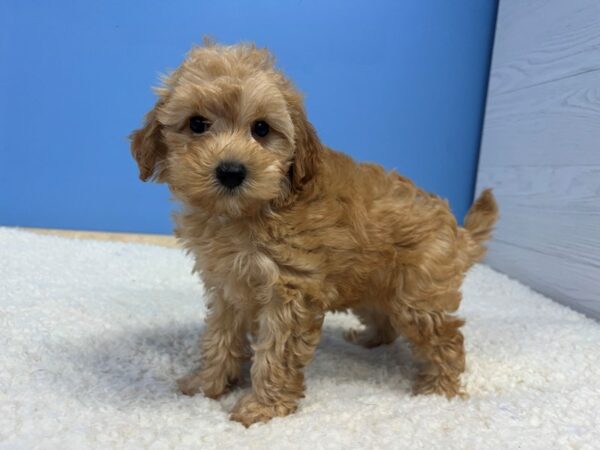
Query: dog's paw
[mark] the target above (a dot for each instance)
(441, 384)
(196, 382)
(249, 410)
(367, 338)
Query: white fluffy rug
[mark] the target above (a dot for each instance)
(93, 335)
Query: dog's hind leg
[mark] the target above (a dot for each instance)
(438, 344)
(378, 330)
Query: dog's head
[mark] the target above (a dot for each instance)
(228, 133)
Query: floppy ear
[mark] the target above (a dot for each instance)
(307, 149)
(148, 148)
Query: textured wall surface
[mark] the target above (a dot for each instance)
(541, 147)
(400, 83)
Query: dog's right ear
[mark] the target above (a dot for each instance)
(148, 147)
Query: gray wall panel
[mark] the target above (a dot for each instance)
(541, 147)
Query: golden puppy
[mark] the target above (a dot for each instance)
(284, 229)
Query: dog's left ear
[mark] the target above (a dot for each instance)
(308, 147)
(148, 147)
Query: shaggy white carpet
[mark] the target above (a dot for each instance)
(93, 335)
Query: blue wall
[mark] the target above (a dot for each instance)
(397, 82)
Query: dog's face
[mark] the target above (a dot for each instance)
(228, 133)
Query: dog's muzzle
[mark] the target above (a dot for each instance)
(231, 174)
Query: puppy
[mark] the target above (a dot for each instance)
(284, 229)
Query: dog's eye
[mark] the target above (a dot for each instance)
(260, 128)
(199, 124)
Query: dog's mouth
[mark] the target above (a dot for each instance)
(231, 201)
(237, 193)
(232, 188)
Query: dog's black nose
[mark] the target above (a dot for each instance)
(231, 174)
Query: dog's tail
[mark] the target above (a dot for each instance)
(479, 222)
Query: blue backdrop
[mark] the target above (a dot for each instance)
(401, 83)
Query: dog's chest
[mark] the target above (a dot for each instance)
(235, 263)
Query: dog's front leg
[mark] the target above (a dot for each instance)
(223, 349)
(289, 331)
